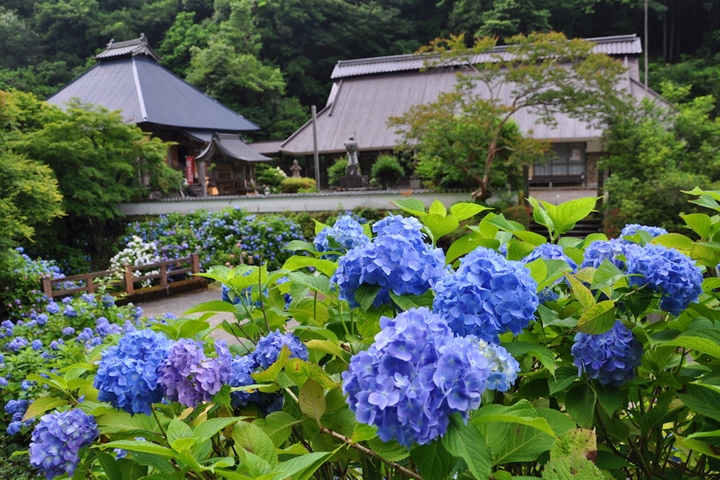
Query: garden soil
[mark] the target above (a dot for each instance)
(179, 304)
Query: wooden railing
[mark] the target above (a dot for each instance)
(129, 280)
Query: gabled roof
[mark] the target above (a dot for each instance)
(233, 147)
(127, 77)
(367, 92)
(615, 45)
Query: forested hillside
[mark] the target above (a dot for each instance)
(271, 59)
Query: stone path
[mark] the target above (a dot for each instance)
(179, 304)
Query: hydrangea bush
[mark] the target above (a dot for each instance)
(401, 361)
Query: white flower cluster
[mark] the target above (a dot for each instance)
(137, 253)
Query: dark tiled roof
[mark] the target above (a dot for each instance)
(614, 45)
(232, 146)
(146, 92)
(137, 46)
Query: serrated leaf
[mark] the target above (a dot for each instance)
(606, 275)
(598, 319)
(411, 205)
(300, 246)
(432, 460)
(41, 405)
(210, 427)
(141, 446)
(704, 340)
(609, 397)
(296, 262)
(703, 399)
(541, 216)
(251, 438)
(319, 227)
(328, 347)
(538, 423)
(365, 295)
(437, 208)
(530, 237)
(706, 253)
(302, 467)
(580, 404)
(277, 426)
(439, 225)
(464, 210)
(406, 302)
(363, 433)
(318, 283)
(569, 213)
(465, 441)
(581, 292)
(542, 353)
(271, 373)
(312, 399)
(391, 450)
(468, 243)
(212, 306)
(699, 223)
(674, 240)
(564, 377)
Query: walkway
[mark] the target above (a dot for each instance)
(179, 304)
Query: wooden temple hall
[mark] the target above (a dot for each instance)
(128, 77)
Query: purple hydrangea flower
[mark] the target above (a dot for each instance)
(69, 311)
(633, 228)
(413, 377)
(58, 438)
(127, 376)
(487, 296)
(42, 319)
(67, 300)
(17, 344)
(190, 377)
(108, 301)
(85, 335)
(670, 273)
(89, 298)
(612, 250)
(610, 357)
(67, 331)
(344, 235)
(52, 308)
(104, 328)
(268, 348)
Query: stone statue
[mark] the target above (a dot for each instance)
(352, 152)
(295, 169)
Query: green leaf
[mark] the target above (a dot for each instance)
(329, 347)
(464, 210)
(432, 460)
(319, 226)
(699, 223)
(538, 270)
(706, 253)
(466, 244)
(277, 426)
(411, 205)
(296, 262)
(530, 237)
(569, 213)
(302, 467)
(538, 351)
(598, 319)
(391, 450)
(574, 467)
(564, 377)
(110, 466)
(363, 433)
(212, 306)
(674, 240)
(559, 421)
(254, 440)
(312, 399)
(703, 340)
(609, 397)
(465, 441)
(41, 405)
(606, 275)
(580, 404)
(703, 399)
(211, 426)
(540, 215)
(506, 414)
(581, 292)
(439, 225)
(575, 441)
(406, 302)
(365, 295)
(299, 246)
(318, 283)
(437, 208)
(179, 435)
(141, 446)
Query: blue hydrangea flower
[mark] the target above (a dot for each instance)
(190, 377)
(108, 301)
(15, 407)
(242, 368)
(127, 376)
(52, 308)
(610, 357)
(85, 335)
(67, 300)
(394, 263)
(69, 311)
(633, 228)
(57, 439)
(67, 331)
(104, 328)
(409, 227)
(345, 234)
(13, 428)
(27, 385)
(503, 366)
(670, 273)
(413, 376)
(42, 319)
(89, 298)
(268, 348)
(487, 296)
(612, 250)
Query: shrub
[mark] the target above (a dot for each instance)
(387, 171)
(298, 185)
(269, 176)
(337, 171)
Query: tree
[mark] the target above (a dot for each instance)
(546, 74)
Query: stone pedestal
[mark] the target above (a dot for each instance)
(354, 181)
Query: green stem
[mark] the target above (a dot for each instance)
(260, 296)
(162, 430)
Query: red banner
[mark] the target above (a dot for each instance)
(189, 169)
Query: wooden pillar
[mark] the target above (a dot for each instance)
(47, 287)
(129, 286)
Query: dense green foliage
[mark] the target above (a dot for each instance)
(387, 171)
(337, 171)
(654, 151)
(271, 60)
(298, 185)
